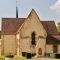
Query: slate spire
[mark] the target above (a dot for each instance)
(16, 10)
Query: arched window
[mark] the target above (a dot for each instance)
(33, 38)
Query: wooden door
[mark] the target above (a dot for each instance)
(40, 51)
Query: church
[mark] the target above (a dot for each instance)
(29, 35)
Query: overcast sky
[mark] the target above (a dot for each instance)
(46, 9)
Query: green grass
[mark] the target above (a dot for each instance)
(15, 58)
(19, 58)
(2, 58)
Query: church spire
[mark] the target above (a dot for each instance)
(16, 10)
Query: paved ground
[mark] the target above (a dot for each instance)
(43, 59)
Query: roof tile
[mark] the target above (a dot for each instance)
(11, 25)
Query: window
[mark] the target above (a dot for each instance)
(55, 48)
(33, 38)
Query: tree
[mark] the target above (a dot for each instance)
(58, 28)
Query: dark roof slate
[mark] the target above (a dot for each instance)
(52, 40)
(50, 27)
(11, 25)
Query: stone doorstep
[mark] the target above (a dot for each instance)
(39, 56)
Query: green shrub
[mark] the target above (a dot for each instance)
(28, 55)
(57, 56)
(33, 54)
(9, 54)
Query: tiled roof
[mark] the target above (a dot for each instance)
(52, 40)
(50, 27)
(57, 37)
(11, 25)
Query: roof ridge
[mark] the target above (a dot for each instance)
(12, 18)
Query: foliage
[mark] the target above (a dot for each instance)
(9, 54)
(57, 56)
(58, 28)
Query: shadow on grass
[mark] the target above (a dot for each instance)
(15, 58)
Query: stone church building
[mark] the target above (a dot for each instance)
(30, 35)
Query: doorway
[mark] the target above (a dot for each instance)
(40, 51)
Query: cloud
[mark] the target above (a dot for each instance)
(56, 6)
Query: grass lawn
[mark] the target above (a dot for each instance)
(15, 58)
(19, 58)
(2, 58)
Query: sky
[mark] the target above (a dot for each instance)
(47, 10)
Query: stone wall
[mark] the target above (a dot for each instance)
(59, 49)
(49, 48)
(32, 24)
(9, 44)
